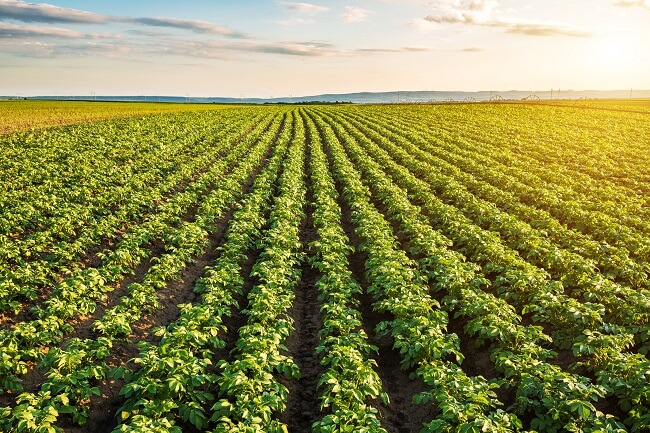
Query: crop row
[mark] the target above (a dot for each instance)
(33, 264)
(72, 370)
(158, 393)
(576, 325)
(556, 398)
(509, 299)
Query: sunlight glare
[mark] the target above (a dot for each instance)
(616, 52)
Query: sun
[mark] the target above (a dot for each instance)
(615, 52)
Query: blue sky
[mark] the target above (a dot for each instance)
(277, 48)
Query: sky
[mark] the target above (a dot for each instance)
(271, 48)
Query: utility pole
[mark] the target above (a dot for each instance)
(630, 93)
(558, 94)
(551, 94)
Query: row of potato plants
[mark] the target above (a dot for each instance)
(349, 383)
(607, 146)
(73, 369)
(418, 325)
(623, 306)
(251, 389)
(173, 381)
(35, 264)
(558, 400)
(40, 115)
(580, 326)
(106, 194)
(588, 342)
(511, 196)
(611, 140)
(595, 209)
(78, 294)
(60, 172)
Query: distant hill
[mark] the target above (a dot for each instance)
(379, 97)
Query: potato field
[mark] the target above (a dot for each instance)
(328, 268)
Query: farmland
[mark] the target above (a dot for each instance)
(404, 268)
(19, 115)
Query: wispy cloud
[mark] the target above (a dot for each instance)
(304, 49)
(633, 3)
(417, 49)
(71, 48)
(354, 14)
(196, 26)
(421, 25)
(483, 13)
(539, 29)
(23, 41)
(9, 30)
(72, 44)
(291, 48)
(153, 37)
(392, 50)
(45, 13)
(295, 20)
(304, 8)
(473, 49)
(225, 49)
(148, 33)
(462, 11)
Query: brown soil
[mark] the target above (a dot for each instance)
(303, 405)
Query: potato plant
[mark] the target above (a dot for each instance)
(161, 264)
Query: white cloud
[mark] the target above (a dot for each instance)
(458, 11)
(484, 13)
(633, 3)
(149, 37)
(65, 43)
(540, 29)
(422, 26)
(196, 26)
(304, 8)
(411, 49)
(45, 13)
(8, 30)
(354, 14)
(72, 48)
(295, 21)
